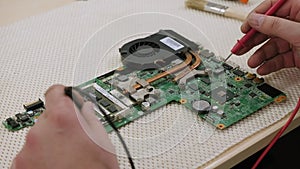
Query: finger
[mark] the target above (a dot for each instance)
(59, 107)
(285, 60)
(88, 113)
(20, 161)
(13, 164)
(93, 127)
(270, 49)
(296, 52)
(263, 7)
(56, 98)
(274, 26)
(267, 4)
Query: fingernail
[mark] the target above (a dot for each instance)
(256, 20)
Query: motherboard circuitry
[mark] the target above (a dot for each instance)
(166, 67)
(27, 118)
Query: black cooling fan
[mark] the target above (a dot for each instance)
(155, 51)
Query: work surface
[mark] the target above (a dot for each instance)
(77, 42)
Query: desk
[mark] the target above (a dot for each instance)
(41, 50)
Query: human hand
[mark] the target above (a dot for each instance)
(60, 138)
(282, 50)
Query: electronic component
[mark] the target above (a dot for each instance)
(122, 97)
(141, 94)
(104, 103)
(201, 106)
(252, 94)
(201, 90)
(269, 90)
(162, 68)
(171, 91)
(113, 102)
(122, 78)
(206, 80)
(238, 72)
(227, 66)
(145, 106)
(222, 95)
(250, 76)
(237, 103)
(112, 109)
(11, 122)
(258, 80)
(34, 105)
(248, 85)
(152, 99)
(193, 86)
(220, 113)
(22, 117)
(25, 119)
(214, 108)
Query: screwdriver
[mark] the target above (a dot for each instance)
(241, 43)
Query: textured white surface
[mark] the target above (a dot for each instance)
(52, 48)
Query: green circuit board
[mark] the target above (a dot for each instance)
(218, 92)
(231, 93)
(27, 118)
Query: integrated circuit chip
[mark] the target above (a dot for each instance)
(238, 72)
(248, 85)
(22, 117)
(193, 86)
(12, 123)
(222, 95)
(104, 103)
(227, 66)
(122, 78)
(252, 94)
(205, 80)
(112, 109)
(269, 90)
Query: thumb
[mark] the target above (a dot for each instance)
(275, 26)
(93, 127)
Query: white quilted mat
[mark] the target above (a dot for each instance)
(77, 42)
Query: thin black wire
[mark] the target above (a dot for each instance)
(68, 92)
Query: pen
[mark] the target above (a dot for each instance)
(241, 43)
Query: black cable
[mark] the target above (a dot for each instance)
(78, 103)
